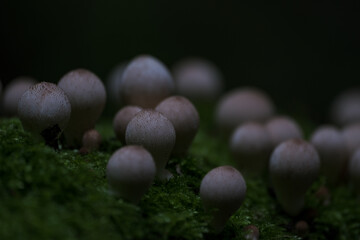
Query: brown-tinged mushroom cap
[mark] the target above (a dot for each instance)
(146, 81)
(130, 172)
(294, 166)
(87, 96)
(222, 189)
(91, 140)
(185, 119)
(121, 120)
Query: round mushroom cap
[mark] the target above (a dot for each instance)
(346, 107)
(331, 148)
(250, 146)
(113, 84)
(282, 128)
(130, 172)
(242, 105)
(294, 166)
(155, 132)
(146, 81)
(185, 119)
(198, 79)
(351, 134)
(13, 92)
(122, 119)
(44, 106)
(91, 140)
(224, 189)
(87, 96)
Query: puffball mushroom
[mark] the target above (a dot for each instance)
(282, 128)
(222, 189)
(91, 140)
(45, 110)
(345, 109)
(155, 132)
(198, 79)
(351, 134)
(185, 119)
(87, 96)
(113, 84)
(294, 166)
(250, 146)
(130, 172)
(242, 105)
(13, 92)
(145, 82)
(331, 147)
(121, 120)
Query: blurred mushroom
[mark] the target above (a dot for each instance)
(121, 120)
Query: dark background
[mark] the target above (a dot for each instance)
(301, 53)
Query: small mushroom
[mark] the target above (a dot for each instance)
(45, 110)
(155, 132)
(250, 146)
(331, 147)
(91, 140)
(185, 119)
(113, 84)
(130, 172)
(222, 190)
(87, 96)
(354, 170)
(121, 120)
(146, 82)
(242, 105)
(198, 80)
(345, 109)
(282, 128)
(13, 92)
(351, 134)
(294, 166)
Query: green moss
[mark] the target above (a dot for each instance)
(45, 194)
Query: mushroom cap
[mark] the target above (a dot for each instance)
(346, 107)
(146, 81)
(91, 139)
(121, 120)
(153, 131)
(250, 146)
(113, 84)
(242, 105)
(198, 79)
(185, 119)
(354, 170)
(224, 189)
(282, 128)
(331, 148)
(130, 172)
(13, 92)
(42, 106)
(351, 134)
(87, 96)
(294, 166)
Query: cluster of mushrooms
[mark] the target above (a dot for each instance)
(153, 125)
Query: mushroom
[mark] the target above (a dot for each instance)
(251, 232)
(146, 82)
(198, 80)
(351, 134)
(91, 140)
(121, 120)
(250, 146)
(130, 172)
(302, 228)
(185, 119)
(87, 96)
(222, 190)
(45, 110)
(113, 84)
(282, 128)
(155, 132)
(346, 107)
(331, 147)
(294, 166)
(13, 92)
(242, 105)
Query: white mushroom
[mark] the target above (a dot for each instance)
(185, 119)
(351, 134)
(294, 166)
(130, 172)
(146, 82)
(223, 190)
(121, 120)
(346, 107)
(87, 96)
